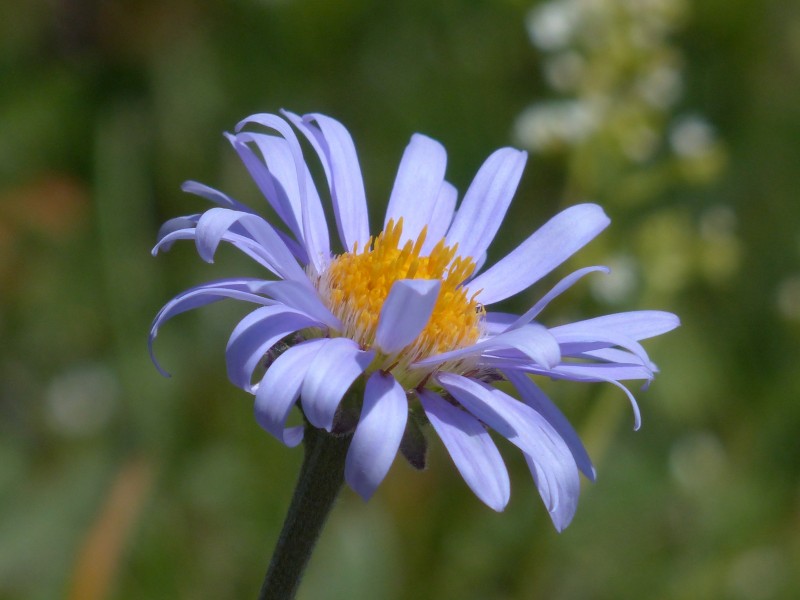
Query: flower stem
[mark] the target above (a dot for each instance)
(321, 478)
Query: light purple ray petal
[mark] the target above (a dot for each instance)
(183, 228)
(471, 447)
(543, 251)
(299, 297)
(605, 371)
(238, 289)
(557, 290)
(637, 325)
(498, 322)
(268, 184)
(215, 222)
(314, 225)
(486, 201)
(532, 340)
(548, 456)
(215, 196)
(255, 335)
(378, 435)
(244, 244)
(185, 223)
(338, 155)
(302, 201)
(615, 355)
(416, 188)
(574, 335)
(339, 362)
(534, 397)
(405, 313)
(279, 389)
(443, 211)
(281, 126)
(479, 262)
(589, 373)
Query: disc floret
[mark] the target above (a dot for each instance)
(356, 284)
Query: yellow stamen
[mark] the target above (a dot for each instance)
(356, 284)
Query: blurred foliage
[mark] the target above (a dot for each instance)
(681, 118)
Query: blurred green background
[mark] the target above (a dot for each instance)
(682, 119)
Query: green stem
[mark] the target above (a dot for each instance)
(321, 478)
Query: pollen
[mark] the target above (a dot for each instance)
(356, 285)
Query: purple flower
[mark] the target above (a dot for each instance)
(395, 328)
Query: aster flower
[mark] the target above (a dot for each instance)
(395, 329)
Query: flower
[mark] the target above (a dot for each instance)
(394, 329)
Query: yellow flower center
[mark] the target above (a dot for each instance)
(356, 284)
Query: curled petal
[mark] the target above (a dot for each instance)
(594, 373)
(274, 150)
(337, 152)
(291, 184)
(574, 337)
(216, 222)
(237, 289)
(215, 196)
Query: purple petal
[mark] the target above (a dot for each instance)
(534, 397)
(339, 363)
(498, 322)
(215, 196)
(170, 233)
(338, 155)
(486, 201)
(557, 290)
(549, 459)
(416, 188)
(471, 448)
(378, 435)
(543, 251)
(214, 224)
(238, 289)
(299, 297)
(255, 335)
(301, 201)
(312, 217)
(532, 340)
(279, 389)
(573, 336)
(605, 371)
(275, 151)
(442, 216)
(588, 373)
(405, 313)
(636, 325)
(615, 355)
(185, 223)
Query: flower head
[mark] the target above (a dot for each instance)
(397, 324)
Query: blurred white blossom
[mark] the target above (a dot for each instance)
(81, 401)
